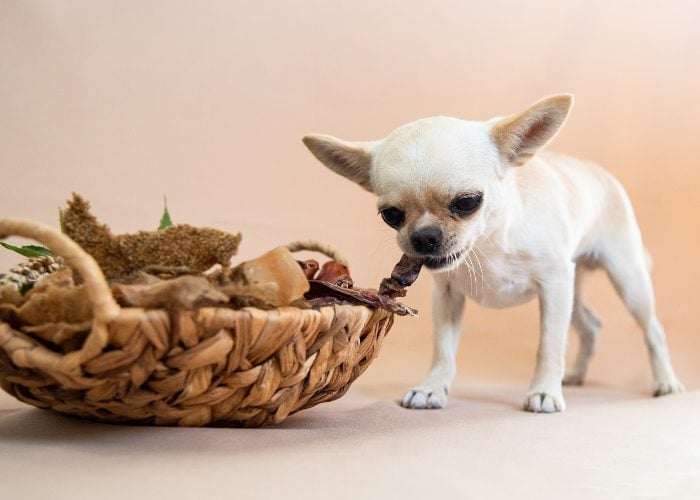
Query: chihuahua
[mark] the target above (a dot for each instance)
(500, 222)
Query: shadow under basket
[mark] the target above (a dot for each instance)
(207, 366)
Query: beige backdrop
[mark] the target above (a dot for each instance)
(206, 102)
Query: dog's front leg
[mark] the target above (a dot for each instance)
(448, 305)
(556, 304)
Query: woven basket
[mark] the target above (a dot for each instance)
(208, 366)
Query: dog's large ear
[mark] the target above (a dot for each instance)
(349, 159)
(518, 137)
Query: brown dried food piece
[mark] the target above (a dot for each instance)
(9, 294)
(58, 333)
(184, 292)
(274, 279)
(332, 271)
(120, 255)
(404, 274)
(56, 299)
(310, 268)
(323, 293)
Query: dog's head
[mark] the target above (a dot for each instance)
(439, 180)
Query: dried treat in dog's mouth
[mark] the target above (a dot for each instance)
(405, 272)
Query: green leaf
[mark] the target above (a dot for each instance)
(24, 290)
(165, 220)
(28, 250)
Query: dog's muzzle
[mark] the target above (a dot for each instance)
(427, 240)
(444, 261)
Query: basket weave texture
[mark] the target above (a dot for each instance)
(208, 366)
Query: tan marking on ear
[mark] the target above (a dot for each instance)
(352, 160)
(518, 137)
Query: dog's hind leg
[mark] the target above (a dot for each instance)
(586, 324)
(626, 262)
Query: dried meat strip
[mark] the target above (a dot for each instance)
(324, 293)
(402, 276)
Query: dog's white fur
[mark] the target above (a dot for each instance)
(544, 222)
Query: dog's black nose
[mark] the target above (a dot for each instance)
(427, 240)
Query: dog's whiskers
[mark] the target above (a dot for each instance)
(479, 262)
(471, 263)
(472, 279)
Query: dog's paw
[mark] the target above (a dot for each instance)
(662, 388)
(425, 398)
(544, 402)
(573, 377)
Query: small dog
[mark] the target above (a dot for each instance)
(501, 225)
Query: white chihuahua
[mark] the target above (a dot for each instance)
(499, 225)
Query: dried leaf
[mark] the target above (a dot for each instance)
(261, 295)
(185, 292)
(58, 333)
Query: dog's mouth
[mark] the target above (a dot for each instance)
(444, 261)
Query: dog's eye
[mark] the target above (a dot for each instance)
(392, 216)
(466, 205)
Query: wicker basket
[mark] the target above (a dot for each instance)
(208, 366)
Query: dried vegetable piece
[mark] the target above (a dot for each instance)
(185, 292)
(405, 272)
(323, 293)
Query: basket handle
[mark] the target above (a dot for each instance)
(315, 246)
(103, 304)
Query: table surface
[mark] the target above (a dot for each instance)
(610, 443)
